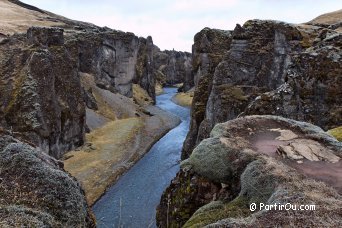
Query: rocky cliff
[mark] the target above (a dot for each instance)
(41, 90)
(35, 189)
(172, 67)
(266, 160)
(274, 68)
(209, 48)
(60, 78)
(263, 67)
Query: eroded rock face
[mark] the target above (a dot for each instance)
(312, 92)
(41, 91)
(208, 51)
(246, 156)
(116, 59)
(41, 94)
(271, 68)
(172, 67)
(35, 189)
(267, 67)
(45, 36)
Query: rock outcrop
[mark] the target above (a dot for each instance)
(172, 67)
(264, 67)
(312, 90)
(39, 193)
(272, 68)
(208, 51)
(41, 90)
(59, 79)
(116, 59)
(263, 160)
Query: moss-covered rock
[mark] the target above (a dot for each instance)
(337, 133)
(172, 67)
(36, 191)
(243, 158)
(218, 210)
(212, 153)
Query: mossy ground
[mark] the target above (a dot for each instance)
(159, 89)
(337, 133)
(234, 209)
(140, 96)
(111, 150)
(183, 99)
(93, 164)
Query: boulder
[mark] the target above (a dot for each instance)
(244, 158)
(36, 191)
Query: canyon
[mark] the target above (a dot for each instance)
(79, 109)
(261, 68)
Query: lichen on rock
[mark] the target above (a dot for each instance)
(245, 152)
(36, 191)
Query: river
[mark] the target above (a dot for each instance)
(132, 201)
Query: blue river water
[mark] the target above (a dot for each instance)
(133, 200)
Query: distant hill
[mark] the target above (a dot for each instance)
(328, 18)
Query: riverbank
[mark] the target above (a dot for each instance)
(133, 200)
(184, 98)
(114, 148)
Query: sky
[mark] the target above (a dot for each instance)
(173, 23)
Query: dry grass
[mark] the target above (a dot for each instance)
(184, 99)
(112, 149)
(93, 164)
(328, 18)
(140, 96)
(14, 18)
(337, 133)
(159, 89)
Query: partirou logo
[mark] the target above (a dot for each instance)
(281, 207)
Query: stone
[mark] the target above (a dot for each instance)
(45, 36)
(172, 67)
(249, 175)
(205, 57)
(274, 68)
(36, 191)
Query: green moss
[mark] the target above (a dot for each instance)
(230, 92)
(212, 213)
(18, 84)
(337, 133)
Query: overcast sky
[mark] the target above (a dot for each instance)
(173, 23)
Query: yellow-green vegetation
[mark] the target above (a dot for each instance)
(178, 85)
(159, 89)
(328, 18)
(183, 99)
(337, 133)
(19, 81)
(111, 150)
(215, 211)
(104, 108)
(105, 147)
(230, 92)
(17, 19)
(140, 96)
